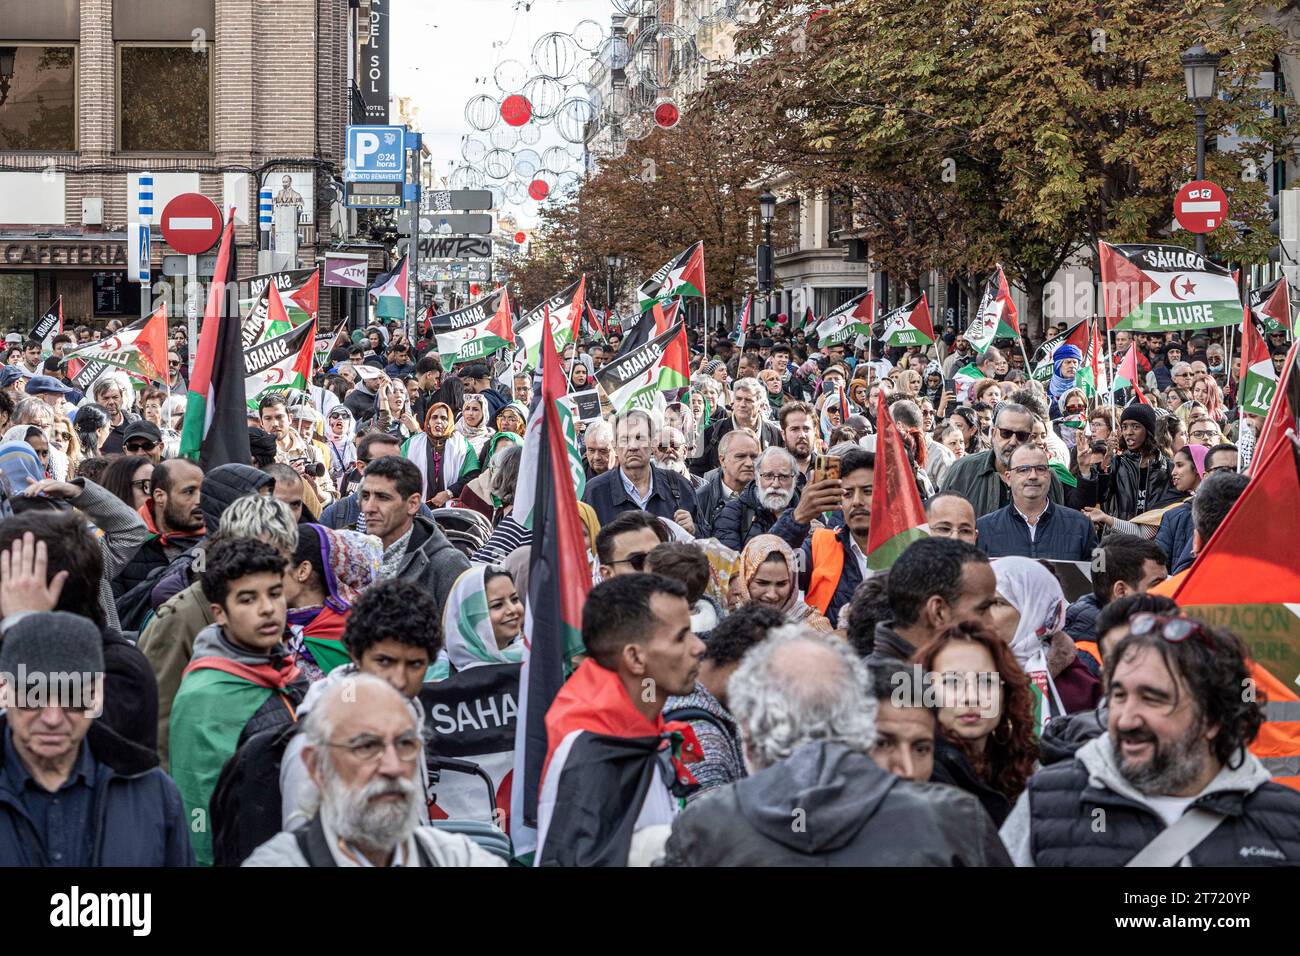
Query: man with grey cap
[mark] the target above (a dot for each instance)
(72, 791)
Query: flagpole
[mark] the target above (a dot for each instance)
(706, 326)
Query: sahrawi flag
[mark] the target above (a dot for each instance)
(897, 518)
(683, 276)
(964, 380)
(472, 342)
(910, 324)
(299, 294)
(558, 582)
(1165, 289)
(280, 364)
(1092, 373)
(996, 315)
(635, 379)
(216, 416)
(1259, 380)
(389, 293)
(849, 320)
(1272, 303)
(563, 321)
(48, 326)
(140, 348)
(1076, 335)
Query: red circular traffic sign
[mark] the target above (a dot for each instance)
(191, 223)
(1201, 206)
(521, 238)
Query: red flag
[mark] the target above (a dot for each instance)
(661, 321)
(575, 309)
(1282, 414)
(501, 325)
(923, 321)
(866, 309)
(897, 518)
(1250, 559)
(1127, 374)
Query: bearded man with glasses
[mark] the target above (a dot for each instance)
(755, 510)
(979, 477)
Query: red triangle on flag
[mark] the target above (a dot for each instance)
(1124, 286)
(1010, 315)
(661, 321)
(152, 345)
(500, 325)
(1250, 558)
(1253, 347)
(921, 320)
(677, 355)
(1282, 413)
(895, 501)
(866, 309)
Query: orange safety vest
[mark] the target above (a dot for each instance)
(827, 567)
(1089, 647)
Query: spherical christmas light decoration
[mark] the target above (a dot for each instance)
(637, 127)
(572, 117)
(588, 35)
(545, 95)
(555, 55)
(516, 192)
(555, 159)
(473, 150)
(667, 115)
(530, 134)
(503, 137)
(465, 177)
(497, 164)
(510, 76)
(538, 189)
(516, 110)
(482, 112)
(527, 163)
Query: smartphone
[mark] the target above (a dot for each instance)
(826, 466)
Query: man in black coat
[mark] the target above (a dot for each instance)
(756, 509)
(748, 398)
(1032, 526)
(737, 453)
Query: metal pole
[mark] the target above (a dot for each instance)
(1200, 165)
(192, 307)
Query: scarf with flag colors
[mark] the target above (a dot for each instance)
(1149, 288)
(1272, 304)
(215, 431)
(1126, 376)
(897, 518)
(684, 275)
(633, 380)
(910, 324)
(472, 342)
(280, 364)
(851, 319)
(559, 578)
(1258, 379)
(996, 315)
(389, 293)
(140, 348)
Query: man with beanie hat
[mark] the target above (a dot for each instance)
(1139, 478)
(73, 792)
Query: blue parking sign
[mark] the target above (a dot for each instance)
(376, 154)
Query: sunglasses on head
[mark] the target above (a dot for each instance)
(636, 559)
(1175, 630)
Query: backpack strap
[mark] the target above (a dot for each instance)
(1176, 841)
(688, 714)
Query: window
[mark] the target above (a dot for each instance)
(38, 97)
(17, 300)
(165, 97)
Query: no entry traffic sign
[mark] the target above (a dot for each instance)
(1201, 206)
(191, 223)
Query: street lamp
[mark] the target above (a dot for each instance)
(1200, 70)
(613, 263)
(766, 269)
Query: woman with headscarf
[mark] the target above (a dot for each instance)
(771, 380)
(512, 418)
(33, 436)
(1175, 532)
(21, 468)
(340, 435)
(477, 493)
(429, 450)
(474, 422)
(482, 622)
(1030, 617)
(935, 388)
(328, 572)
(768, 576)
(1065, 366)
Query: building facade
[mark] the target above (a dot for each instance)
(218, 97)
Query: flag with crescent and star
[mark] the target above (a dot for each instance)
(1148, 288)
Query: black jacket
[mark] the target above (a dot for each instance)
(768, 434)
(709, 502)
(744, 517)
(852, 814)
(136, 814)
(671, 492)
(1175, 536)
(1061, 534)
(952, 767)
(1118, 490)
(1081, 618)
(130, 691)
(889, 645)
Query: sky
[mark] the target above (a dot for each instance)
(444, 53)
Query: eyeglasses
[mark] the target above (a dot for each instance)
(1175, 630)
(771, 477)
(1010, 433)
(140, 446)
(671, 446)
(1025, 470)
(636, 559)
(174, 364)
(369, 749)
(143, 484)
(1204, 433)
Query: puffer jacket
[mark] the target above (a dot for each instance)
(744, 517)
(1118, 490)
(224, 484)
(709, 502)
(1054, 821)
(136, 812)
(852, 814)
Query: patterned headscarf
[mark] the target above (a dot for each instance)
(451, 419)
(754, 555)
(19, 463)
(474, 435)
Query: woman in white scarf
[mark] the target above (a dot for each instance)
(472, 422)
(482, 621)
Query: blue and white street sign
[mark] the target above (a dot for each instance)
(264, 210)
(144, 207)
(375, 154)
(137, 248)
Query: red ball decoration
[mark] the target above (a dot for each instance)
(667, 115)
(516, 110)
(521, 238)
(538, 189)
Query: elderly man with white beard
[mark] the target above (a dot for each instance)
(754, 511)
(362, 753)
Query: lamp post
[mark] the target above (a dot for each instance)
(612, 263)
(1200, 70)
(767, 276)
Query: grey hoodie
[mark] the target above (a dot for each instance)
(828, 805)
(1098, 756)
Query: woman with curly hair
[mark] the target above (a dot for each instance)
(987, 744)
